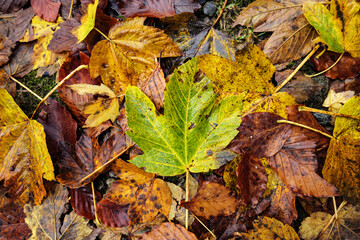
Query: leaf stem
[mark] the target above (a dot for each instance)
(297, 69)
(319, 73)
(71, 7)
(220, 14)
(58, 85)
(333, 217)
(28, 89)
(212, 234)
(187, 199)
(106, 37)
(94, 202)
(100, 169)
(307, 127)
(308, 109)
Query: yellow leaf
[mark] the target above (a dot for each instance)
(87, 22)
(342, 165)
(24, 158)
(41, 28)
(129, 57)
(101, 110)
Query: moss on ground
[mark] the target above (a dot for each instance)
(41, 86)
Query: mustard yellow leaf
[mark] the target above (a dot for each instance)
(129, 58)
(352, 36)
(342, 165)
(327, 25)
(41, 28)
(87, 22)
(24, 158)
(251, 72)
(101, 110)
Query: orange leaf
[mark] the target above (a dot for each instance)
(169, 231)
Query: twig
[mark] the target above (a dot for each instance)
(71, 7)
(297, 69)
(307, 127)
(106, 164)
(308, 109)
(220, 14)
(317, 74)
(28, 89)
(58, 85)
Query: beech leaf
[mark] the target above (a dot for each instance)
(24, 158)
(191, 135)
(169, 231)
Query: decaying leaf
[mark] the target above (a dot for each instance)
(191, 135)
(7, 84)
(312, 226)
(82, 201)
(169, 231)
(129, 57)
(212, 200)
(146, 194)
(106, 107)
(46, 9)
(24, 158)
(44, 220)
(343, 159)
(270, 228)
(7, 6)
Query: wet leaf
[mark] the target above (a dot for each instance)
(106, 107)
(270, 228)
(129, 58)
(312, 226)
(46, 9)
(146, 195)
(168, 231)
(212, 200)
(44, 220)
(342, 162)
(87, 22)
(82, 201)
(191, 135)
(24, 158)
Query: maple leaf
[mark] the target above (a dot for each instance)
(169, 231)
(270, 228)
(191, 135)
(342, 161)
(44, 220)
(87, 22)
(106, 107)
(24, 158)
(129, 57)
(212, 200)
(146, 194)
(46, 9)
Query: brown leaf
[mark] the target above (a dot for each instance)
(58, 125)
(65, 8)
(82, 201)
(300, 86)
(64, 40)
(5, 49)
(12, 222)
(347, 67)
(146, 195)
(46, 9)
(6, 83)
(71, 98)
(88, 156)
(8, 6)
(169, 231)
(212, 200)
(112, 214)
(186, 6)
(251, 179)
(154, 87)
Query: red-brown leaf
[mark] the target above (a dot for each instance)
(111, 214)
(169, 231)
(46, 9)
(82, 201)
(12, 222)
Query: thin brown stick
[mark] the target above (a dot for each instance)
(307, 127)
(58, 85)
(28, 89)
(100, 169)
(297, 69)
(308, 109)
(71, 7)
(319, 73)
(220, 14)
(94, 202)
(187, 198)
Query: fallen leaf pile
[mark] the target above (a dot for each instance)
(168, 128)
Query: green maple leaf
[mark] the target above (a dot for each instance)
(192, 133)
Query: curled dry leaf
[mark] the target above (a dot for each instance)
(146, 195)
(212, 200)
(24, 158)
(169, 231)
(335, 101)
(46, 9)
(44, 220)
(270, 228)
